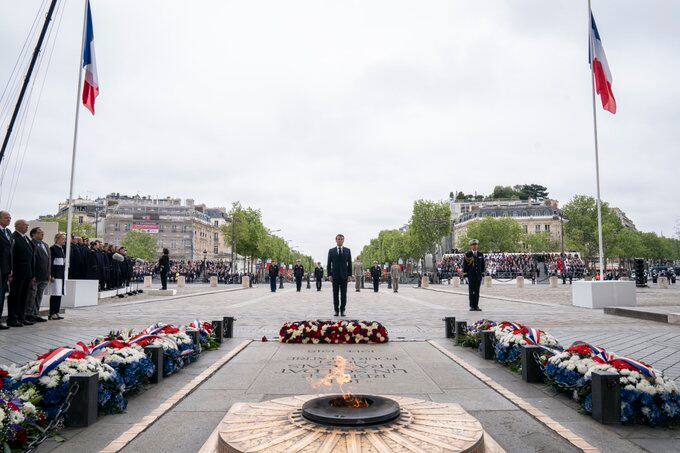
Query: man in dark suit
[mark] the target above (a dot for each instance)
(273, 275)
(41, 275)
(298, 273)
(339, 268)
(318, 276)
(376, 272)
(473, 267)
(22, 276)
(5, 259)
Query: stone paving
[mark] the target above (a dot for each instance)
(410, 315)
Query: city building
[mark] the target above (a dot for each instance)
(625, 221)
(189, 231)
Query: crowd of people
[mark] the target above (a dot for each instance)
(511, 265)
(28, 268)
(106, 263)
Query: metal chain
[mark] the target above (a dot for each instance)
(57, 422)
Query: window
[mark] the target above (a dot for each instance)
(537, 228)
(116, 227)
(217, 223)
(215, 250)
(174, 228)
(127, 227)
(216, 237)
(184, 228)
(80, 220)
(526, 228)
(546, 228)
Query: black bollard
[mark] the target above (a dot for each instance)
(531, 368)
(309, 285)
(196, 338)
(250, 282)
(461, 330)
(218, 330)
(486, 346)
(450, 326)
(155, 353)
(83, 409)
(606, 397)
(228, 322)
(280, 282)
(362, 282)
(420, 282)
(389, 282)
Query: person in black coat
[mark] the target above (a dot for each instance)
(22, 276)
(339, 268)
(376, 272)
(57, 275)
(5, 259)
(318, 276)
(473, 267)
(273, 275)
(298, 273)
(164, 268)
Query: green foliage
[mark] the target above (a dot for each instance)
(430, 222)
(580, 231)
(388, 247)
(494, 235)
(520, 191)
(541, 242)
(141, 245)
(245, 231)
(77, 229)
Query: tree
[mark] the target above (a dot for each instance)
(541, 242)
(141, 245)
(245, 231)
(494, 235)
(580, 232)
(77, 229)
(532, 192)
(430, 222)
(503, 192)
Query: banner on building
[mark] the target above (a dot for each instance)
(145, 227)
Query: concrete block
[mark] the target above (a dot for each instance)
(456, 282)
(213, 281)
(425, 281)
(147, 281)
(553, 282)
(162, 292)
(488, 281)
(663, 282)
(520, 281)
(245, 282)
(80, 293)
(181, 281)
(600, 294)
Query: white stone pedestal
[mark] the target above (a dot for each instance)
(147, 281)
(553, 282)
(609, 293)
(456, 282)
(213, 281)
(663, 282)
(80, 293)
(425, 281)
(162, 292)
(181, 281)
(488, 281)
(245, 281)
(520, 281)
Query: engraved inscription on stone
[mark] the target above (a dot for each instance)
(360, 367)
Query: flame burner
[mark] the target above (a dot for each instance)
(351, 410)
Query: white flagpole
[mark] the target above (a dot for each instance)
(69, 220)
(597, 154)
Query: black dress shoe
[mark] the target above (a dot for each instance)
(478, 309)
(337, 314)
(342, 313)
(38, 319)
(472, 309)
(14, 324)
(3, 326)
(26, 322)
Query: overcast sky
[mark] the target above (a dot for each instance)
(334, 116)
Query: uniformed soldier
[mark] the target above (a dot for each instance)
(376, 272)
(318, 276)
(298, 273)
(358, 272)
(473, 267)
(273, 275)
(395, 276)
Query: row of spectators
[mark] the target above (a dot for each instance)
(511, 265)
(106, 263)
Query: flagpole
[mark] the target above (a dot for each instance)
(69, 218)
(597, 153)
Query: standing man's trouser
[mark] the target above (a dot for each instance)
(318, 284)
(298, 283)
(473, 290)
(164, 280)
(339, 293)
(357, 283)
(395, 284)
(19, 291)
(272, 283)
(376, 284)
(35, 298)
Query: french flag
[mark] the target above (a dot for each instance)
(91, 86)
(600, 68)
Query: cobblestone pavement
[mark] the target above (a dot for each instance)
(410, 314)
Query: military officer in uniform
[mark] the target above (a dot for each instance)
(358, 272)
(376, 272)
(473, 267)
(298, 273)
(318, 276)
(273, 275)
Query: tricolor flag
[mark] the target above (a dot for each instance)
(91, 85)
(600, 68)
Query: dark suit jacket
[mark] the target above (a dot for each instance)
(274, 271)
(164, 264)
(474, 267)
(5, 253)
(43, 262)
(376, 272)
(298, 271)
(22, 254)
(318, 273)
(339, 266)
